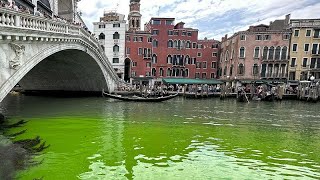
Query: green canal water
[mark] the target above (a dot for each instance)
(99, 138)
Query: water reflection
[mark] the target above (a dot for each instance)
(178, 139)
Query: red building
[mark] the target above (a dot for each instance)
(165, 49)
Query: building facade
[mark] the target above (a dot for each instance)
(165, 49)
(111, 32)
(305, 49)
(261, 52)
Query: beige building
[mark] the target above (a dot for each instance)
(305, 49)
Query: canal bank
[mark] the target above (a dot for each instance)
(177, 139)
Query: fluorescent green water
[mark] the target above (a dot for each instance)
(96, 138)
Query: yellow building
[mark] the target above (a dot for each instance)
(305, 49)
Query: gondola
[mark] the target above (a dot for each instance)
(140, 99)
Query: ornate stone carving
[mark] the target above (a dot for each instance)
(19, 50)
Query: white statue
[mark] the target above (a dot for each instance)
(19, 50)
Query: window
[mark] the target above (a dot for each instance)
(256, 52)
(169, 59)
(194, 60)
(295, 47)
(227, 55)
(296, 33)
(317, 33)
(140, 51)
(265, 53)
(267, 37)
(115, 60)
(313, 63)
(127, 50)
(134, 64)
(242, 37)
(198, 65)
(204, 65)
(231, 70)
(212, 75)
(154, 59)
(213, 65)
(277, 54)
(140, 39)
(169, 22)
(189, 34)
(306, 47)
(156, 22)
(186, 73)
(170, 43)
(199, 54)
(214, 54)
(170, 32)
(284, 53)
(197, 75)
(176, 33)
(128, 38)
(149, 39)
(184, 33)
(169, 72)
(308, 33)
(204, 75)
(161, 72)
(314, 48)
(116, 35)
(116, 25)
(241, 69)
(293, 62)
(271, 53)
(187, 60)
(155, 43)
(286, 37)
(135, 39)
(153, 72)
(188, 44)
(148, 64)
(255, 69)
(155, 32)
(200, 46)
(194, 45)
(133, 74)
(304, 62)
(242, 52)
(258, 37)
(102, 26)
(115, 48)
(102, 36)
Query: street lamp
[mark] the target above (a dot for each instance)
(312, 78)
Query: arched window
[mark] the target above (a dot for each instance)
(179, 44)
(161, 72)
(169, 59)
(277, 55)
(271, 53)
(116, 35)
(256, 52)
(183, 43)
(154, 59)
(241, 69)
(153, 71)
(227, 56)
(225, 71)
(187, 60)
(177, 72)
(231, 70)
(170, 43)
(102, 36)
(115, 48)
(232, 54)
(175, 43)
(284, 53)
(255, 69)
(188, 45)
(242, 52)
(186, 74)
(265, 53)
(168, 72)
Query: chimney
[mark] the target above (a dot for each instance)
(226, 36)
(287, 20)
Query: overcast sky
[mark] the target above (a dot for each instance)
(213, 18)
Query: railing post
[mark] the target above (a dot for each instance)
(17, 21)
(67, 29)
(47, 26)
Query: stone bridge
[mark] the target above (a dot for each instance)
(50, 55)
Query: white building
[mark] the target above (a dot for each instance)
(111, 33)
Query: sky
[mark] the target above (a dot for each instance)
(213, 18)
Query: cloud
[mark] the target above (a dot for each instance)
(213, 18)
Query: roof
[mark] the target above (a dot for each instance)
(190, 81)
(278, 25)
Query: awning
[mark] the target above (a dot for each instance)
(190, 81)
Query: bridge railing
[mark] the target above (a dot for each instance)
(21, 20)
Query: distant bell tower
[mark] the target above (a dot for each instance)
(134, 16)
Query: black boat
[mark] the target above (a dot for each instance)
(140, 99)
